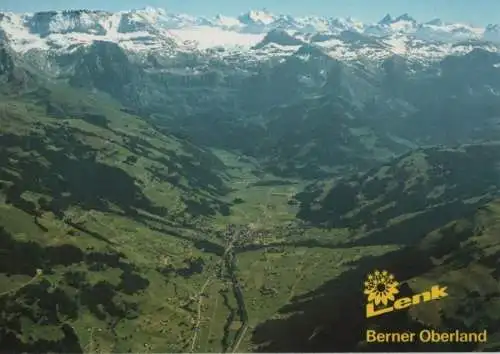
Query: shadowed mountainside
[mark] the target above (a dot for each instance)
(462, 255)
(432, 178)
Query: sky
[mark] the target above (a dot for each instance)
(478, 12)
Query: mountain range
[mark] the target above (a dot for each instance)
(171, 183)
(155, 30)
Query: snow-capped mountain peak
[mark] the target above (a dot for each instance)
(401, 24)
(389, 20)
(152, 10)
(386, 20)
(257, 31)
(435, 22)
(405, 17)
(259, 17)
(226, 22)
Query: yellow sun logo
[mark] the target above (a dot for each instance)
(381, 287)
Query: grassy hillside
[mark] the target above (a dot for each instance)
(99, 213)
(462, 255)
(419, 182)
(439, 210)
(119, 236)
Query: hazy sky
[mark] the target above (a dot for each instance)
(478, 12)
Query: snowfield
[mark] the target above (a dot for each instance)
(152, 29)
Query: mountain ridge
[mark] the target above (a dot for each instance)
(151, 29)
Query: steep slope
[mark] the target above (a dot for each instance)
(440, 208)
(99, 217)
(75, 127)
(286, 100)
(419, 182)
(371, 111)
(118, 235)
(461, 255)
(14, 77)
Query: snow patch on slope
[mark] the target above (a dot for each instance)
(226, 22)
(398, 45)
(257, 17)
(207, 37)
(19, 37)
